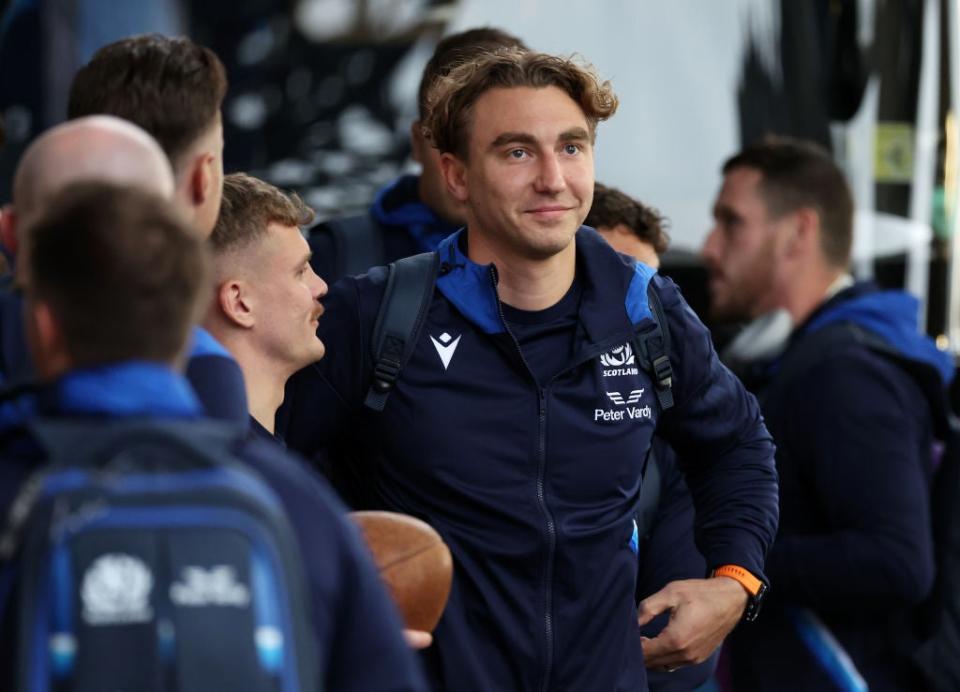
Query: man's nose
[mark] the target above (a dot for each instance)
(550, 178)
(710, 252)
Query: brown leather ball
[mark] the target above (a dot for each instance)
(414, 562)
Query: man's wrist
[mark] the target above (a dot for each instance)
(754, 587)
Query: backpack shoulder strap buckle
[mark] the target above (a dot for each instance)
(653, 346)
(406, 298)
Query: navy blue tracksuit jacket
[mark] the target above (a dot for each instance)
(356, 627)
(854, 434)
(212, 372)
(533, 486)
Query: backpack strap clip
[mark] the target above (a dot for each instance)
(402, 311)
(654, 345)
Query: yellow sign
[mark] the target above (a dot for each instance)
(893, 153)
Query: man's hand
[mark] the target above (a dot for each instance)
(417, 639)
(702, 613)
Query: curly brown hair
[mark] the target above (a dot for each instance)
(451, 98)
(611, 208)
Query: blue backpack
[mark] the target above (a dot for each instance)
(146, 556)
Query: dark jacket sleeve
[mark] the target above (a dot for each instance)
(358, 628)
(668, 554)
(322, 398)
(855, 438)
(724, 448)
(218, 383)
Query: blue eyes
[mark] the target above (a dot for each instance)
(568, 149)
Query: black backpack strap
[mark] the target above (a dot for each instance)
(653, 345)
(359, 244)
(650, 487)
(404, 306)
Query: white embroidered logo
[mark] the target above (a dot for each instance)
(629, 409)
(633, 398)
(445, 346)
(619, 361)
(116, 591)
(621, 355)
(217, 586)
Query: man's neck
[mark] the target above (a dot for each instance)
(524, 283)
(816, 288)
(264, 380)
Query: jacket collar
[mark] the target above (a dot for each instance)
(614, 287)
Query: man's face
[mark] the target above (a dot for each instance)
(625, 241)
(528, 182)
(432, 187)
(287, 297)
(741, 250)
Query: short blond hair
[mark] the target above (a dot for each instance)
(249, 206)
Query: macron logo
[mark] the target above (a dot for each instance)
(445, 345)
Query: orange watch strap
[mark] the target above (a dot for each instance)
(747, 580)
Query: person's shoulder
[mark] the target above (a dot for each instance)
(851, 374)
(283, 467)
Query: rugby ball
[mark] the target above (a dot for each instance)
(414, 563)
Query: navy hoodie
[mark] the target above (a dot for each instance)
(405, 224)
(533, 486)
(356, 626)
(213, 373)
(854, 435)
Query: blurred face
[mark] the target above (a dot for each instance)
(286, 298)
(432, 187)
(741, 250)
(622, 239)
(528, 182)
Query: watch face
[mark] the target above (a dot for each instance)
(752, 610)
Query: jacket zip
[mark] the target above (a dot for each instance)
(541, 497)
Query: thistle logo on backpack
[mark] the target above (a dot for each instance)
(217, 586)
(616, 361)
(116, 591)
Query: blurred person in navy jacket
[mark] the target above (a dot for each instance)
(854, 430)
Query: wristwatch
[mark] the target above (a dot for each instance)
(755, 588)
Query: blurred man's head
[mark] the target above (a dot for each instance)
(173, 89)
(115, 274)
(629, 226)
(450, 52)
(267, 298)
(97, 148)
(783, 225)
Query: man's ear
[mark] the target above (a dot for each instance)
(235, 300)
(455, 175)
(201, 179)
(45, 337)
(417, 142)
(8, 229)
(804, 234)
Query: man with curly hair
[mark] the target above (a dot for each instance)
(520, 424)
